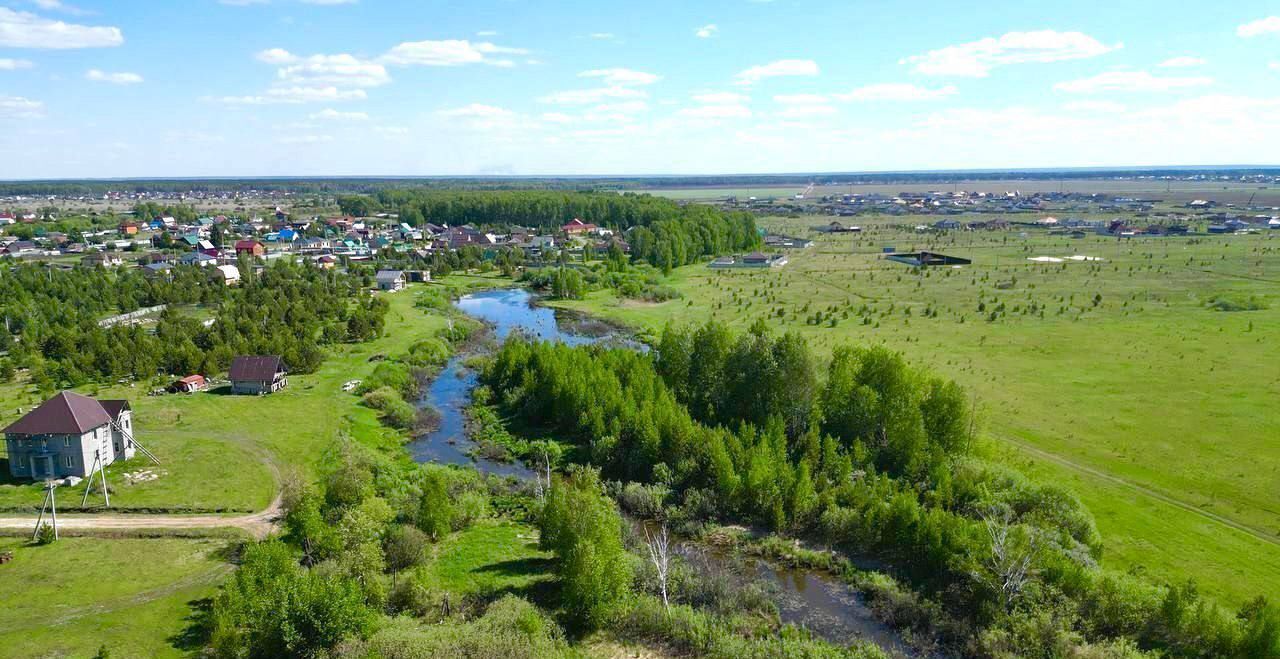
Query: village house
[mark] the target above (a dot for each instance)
(190, 384)
(128, 229)
(67, 434)
(230, 274)
(250, 248)
(390, 280)
(576, 227)
(102, 260)
(262, 374)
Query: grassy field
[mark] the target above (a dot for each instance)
(488, 560)
(133, 595)
(1156, 408)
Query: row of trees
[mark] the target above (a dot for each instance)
(872, 459)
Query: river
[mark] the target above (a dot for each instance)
(816, 601)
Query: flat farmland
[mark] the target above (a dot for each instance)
(1116, 377)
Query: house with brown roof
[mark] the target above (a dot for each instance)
(259, 374)
(67, 434)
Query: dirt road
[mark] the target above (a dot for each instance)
(259, 524)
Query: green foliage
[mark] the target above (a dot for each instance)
(282, 311)
(511, 628)
(582, 527)
(272, 607)
(45, 535)
(1237, 302)
(435, 508)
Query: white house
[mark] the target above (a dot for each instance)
(67, 434)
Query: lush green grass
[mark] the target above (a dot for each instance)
(133, 595)
(222, 452)
(1151, 386)
(487, 560)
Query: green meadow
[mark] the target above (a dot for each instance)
(1119, 377)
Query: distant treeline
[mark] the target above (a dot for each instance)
(666, 234)
(344, 185)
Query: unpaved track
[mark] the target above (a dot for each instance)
(259, 524)
(1144, 490)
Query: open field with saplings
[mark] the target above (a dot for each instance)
(223, 453)
(1146, 379)
(70, 598)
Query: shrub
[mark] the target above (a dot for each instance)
(1237, 302)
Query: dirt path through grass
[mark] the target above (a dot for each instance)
(1141, 489)
(258, 524)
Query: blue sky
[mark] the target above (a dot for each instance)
(389, 87)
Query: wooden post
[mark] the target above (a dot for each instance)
(40, 518)
(97, 456)
(53, 508)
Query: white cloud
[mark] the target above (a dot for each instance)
(7, 64)
(602, 36)
(335, 115)
(1268, 25)
(487, 33)
(1181, 62)
(294, 95)
(1130, 81)
(707, 31)
(1100, 107)
(1274, 66)
(622, 77)
(785, 67)
(556, 117)
(801, 111)
(304, 139)
(977, 58)
(587, 96)
(721, 98)
(800, 99)
(341, 70)
(276, 56)
(391, 130)
(718, 105)
(242, 3)
(20, 29)
(121, 78)
(477, 111)
(716, 112)
(897, 91)
(449, 52)
(20, 107)
(328, 2)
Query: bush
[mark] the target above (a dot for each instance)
(1237, 302)
(510, 629)
(45, 535)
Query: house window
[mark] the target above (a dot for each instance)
(68, 461)
(44, 442)
(66, 441)
(21, 461)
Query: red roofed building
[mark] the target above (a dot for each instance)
(578, 226)
(250, 247)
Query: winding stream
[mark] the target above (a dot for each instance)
(812, 600)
